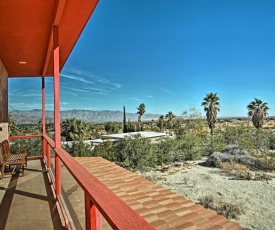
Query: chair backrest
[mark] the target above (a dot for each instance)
(5, 149)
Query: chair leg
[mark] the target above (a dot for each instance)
(2, 170)
(22, 169)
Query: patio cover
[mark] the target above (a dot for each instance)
(26, 33)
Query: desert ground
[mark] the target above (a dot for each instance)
(255, 199)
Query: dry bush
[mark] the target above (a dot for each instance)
(268, 162)
(242, 172)
(233, 154)
(222, 207)
(231, 168)
(258, 176)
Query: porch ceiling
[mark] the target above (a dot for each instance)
(26, 30)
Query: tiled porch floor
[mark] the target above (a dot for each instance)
(27, 202)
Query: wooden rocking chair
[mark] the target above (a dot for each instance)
(9, 159)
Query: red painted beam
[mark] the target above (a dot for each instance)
(56, 87)
(25, 137)
(59, 7)
(49, 140)
(58, 11)
(57, 108)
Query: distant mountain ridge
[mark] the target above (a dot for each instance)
(34, 116)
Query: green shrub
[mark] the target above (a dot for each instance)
(213, 144)
(33, 146)
(135, 152)
(164, 150)
(78, 149)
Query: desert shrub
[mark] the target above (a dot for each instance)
(165, 148)
(228, 167)
(33, 146)
(272, 141)
(216, 159)
(268, 162)
(111, 127)
(214, 144)
(234, 150)
(78, 149)
(222, 207)
(135, 152)
(239, 135)
(189, 147)
(233, 154)
(249, 138)
(261, 139)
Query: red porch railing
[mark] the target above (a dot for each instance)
(99, 200)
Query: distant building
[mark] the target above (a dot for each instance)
(153, 136)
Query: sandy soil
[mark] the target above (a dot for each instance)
(193, 181)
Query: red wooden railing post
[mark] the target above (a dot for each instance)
(48, 156)
(93, 217)
(56, 108)
(57, 175)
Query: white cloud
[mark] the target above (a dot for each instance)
(96, 89)
(74, 94)
(31, 95)
(167, 91)
(78, 90)
(77, 78)
(81, 75)
(134, 99)
(118, 86)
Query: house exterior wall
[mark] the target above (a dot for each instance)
(3, 102)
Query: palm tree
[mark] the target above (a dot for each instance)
(140, 112)
(170, 116)
(258, 110)
(211, 106)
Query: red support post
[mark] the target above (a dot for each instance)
(56, 86)
(43, 118)
(92, 216)
(56, 108)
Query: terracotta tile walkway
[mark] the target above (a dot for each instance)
(159, 206)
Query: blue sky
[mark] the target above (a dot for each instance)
(168, 55)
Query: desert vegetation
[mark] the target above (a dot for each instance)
(243, 150)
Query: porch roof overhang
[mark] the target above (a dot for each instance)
(26, 42)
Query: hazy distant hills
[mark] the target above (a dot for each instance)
(34, 116)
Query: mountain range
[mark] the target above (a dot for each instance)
(34, 116)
